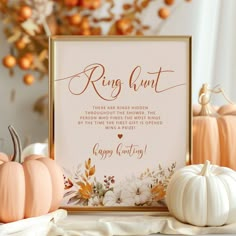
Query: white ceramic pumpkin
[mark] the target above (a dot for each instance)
(203, 195)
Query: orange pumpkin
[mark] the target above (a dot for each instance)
(214, 132)
(30, 189)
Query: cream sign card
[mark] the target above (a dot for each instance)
(120, 118)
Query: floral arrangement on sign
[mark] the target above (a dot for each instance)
(82, 188)
(27, 25)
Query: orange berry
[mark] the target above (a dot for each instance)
(9, 61)
(85, 25)
(96, 31)
(95, 4)
(30, 56)
(90, 4)
(71, 3)
(24, 63)
(124, 26)
(25, 12)
(20, 44)
(169, 2)
(85, 32)
(28, 79)
(75, 19)
(163, 13)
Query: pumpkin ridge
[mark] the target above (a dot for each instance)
(221, 133)
(178, 192)
(226, 189)
(190, 182)
(13, 199)
(38, 200)
(228, 144)
(216, 202)
(204, 139)
(57, 182)
(183, 200)
(231, 214)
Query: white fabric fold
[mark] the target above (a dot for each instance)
(131, 226)
(59, 224)
(35, 148)
(35, 226)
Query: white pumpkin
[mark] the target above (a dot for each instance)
(203, 195)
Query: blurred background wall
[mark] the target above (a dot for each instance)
(209, 22)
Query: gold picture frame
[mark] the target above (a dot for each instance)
(120, 118)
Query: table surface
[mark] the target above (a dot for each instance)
(96, 216)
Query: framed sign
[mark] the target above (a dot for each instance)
(120, 118)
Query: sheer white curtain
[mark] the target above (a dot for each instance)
(214, 54)
(224, 60)
(212, 26)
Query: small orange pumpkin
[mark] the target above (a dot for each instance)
(30, 189)
(214, 132)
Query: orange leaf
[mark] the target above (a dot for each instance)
(145, 3)
(92, 171)
(81, 184)
(83, 178)
(158, 192)
(88, 164)
(86, 190)
(127, 6)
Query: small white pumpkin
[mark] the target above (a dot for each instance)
(203, 195)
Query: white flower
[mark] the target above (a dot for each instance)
(138, 190)
(40, 10)
(115, 198)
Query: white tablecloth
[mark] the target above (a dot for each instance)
(59, 223)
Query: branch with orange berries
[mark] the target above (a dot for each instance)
(28, 23)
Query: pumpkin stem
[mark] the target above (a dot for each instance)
(206, 169)
(217, 89)
(16, 143)
(204, 100)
